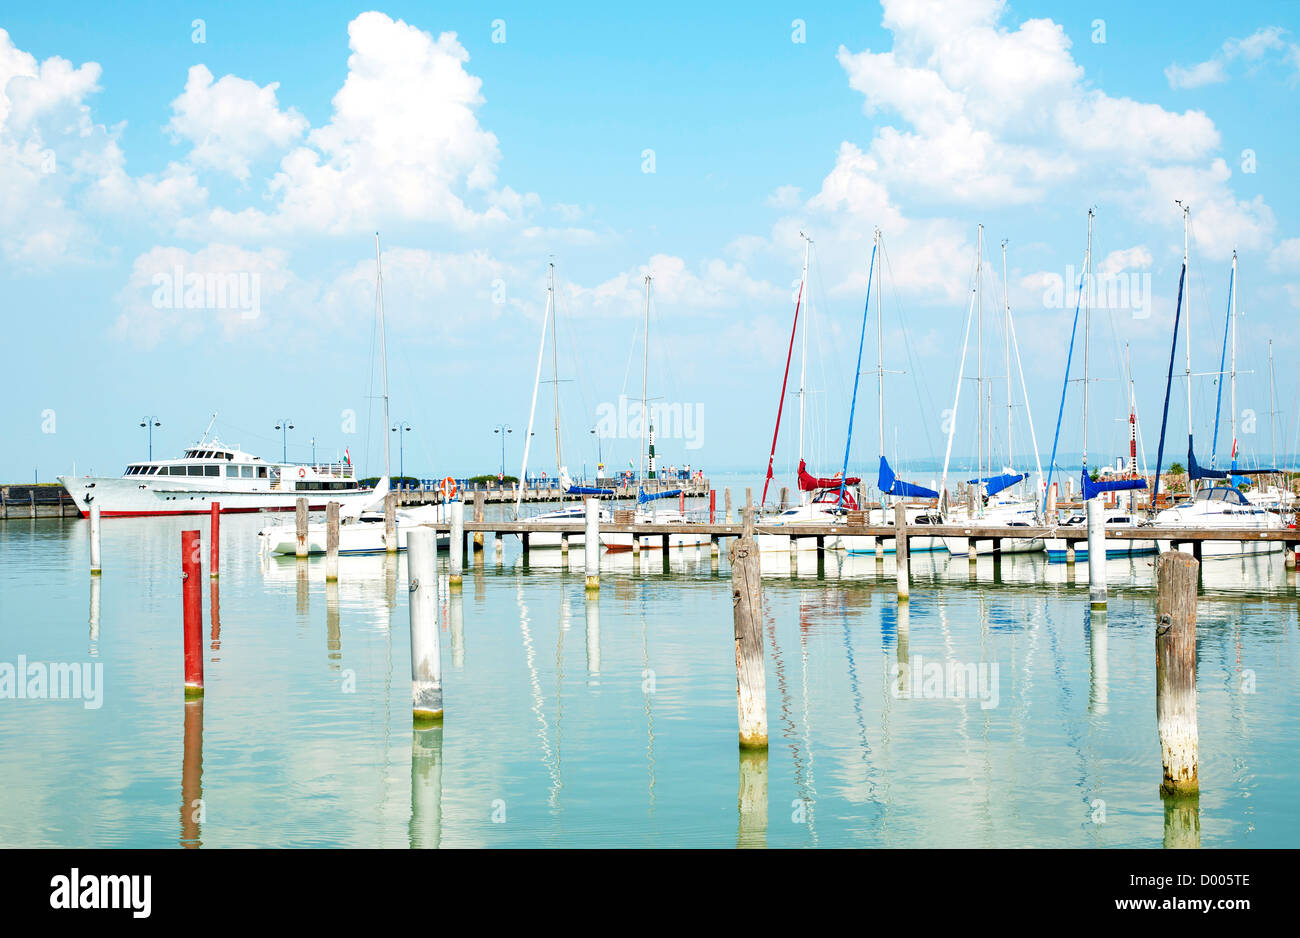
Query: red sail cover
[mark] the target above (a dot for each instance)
(809, 483)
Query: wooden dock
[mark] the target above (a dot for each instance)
(36, 501)
(497, 494)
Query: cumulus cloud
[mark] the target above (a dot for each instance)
(231, 122)
(1266, 42)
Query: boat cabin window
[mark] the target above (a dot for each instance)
(212, 470)
(246, 472)
(261, 472)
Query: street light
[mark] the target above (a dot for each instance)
(600, 459)
(284, 426)
(401, 458)
(150, 422)
(313, 451)
(503, 430)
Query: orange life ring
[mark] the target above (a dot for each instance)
(449, 487)
(302, 473)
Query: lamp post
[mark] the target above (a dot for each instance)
(313, 451)
(401, 428)
(150, 422)
(600, 459)
(284, 426)
(503, 430)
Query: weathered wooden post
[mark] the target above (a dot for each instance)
(901, 553)
(390, 523)
(785, 497)
(96, 568)
(591, 545)
(300, 528)
(192, 611)
(747, 602)
(478, 519)
(457, 511)
(426, 659)
(214, 538)
(1096, 552)
(749, 497)
(564, 544)
(332, 542)
(1176, 578)
(726, 505)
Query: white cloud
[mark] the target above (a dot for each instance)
(1196, 76)
(231, 122)
(1254, 49)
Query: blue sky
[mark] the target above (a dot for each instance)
(302, 134)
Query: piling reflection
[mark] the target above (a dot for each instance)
(456, 619)
(904, 613)
(333, 635)
(1098, 641)
(304, 586)
(593, 641)
(751, 831)
(95, 585)
(425, 829)
(192, 775)
(1182, 822)
(214, 613)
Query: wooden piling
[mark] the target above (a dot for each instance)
(478, 517)
(457, 511)
(785, 497)
(192, 611)
(591, 545)
(1176, 579)
(214, 541)
(300, 528)
(390, 523)
(332, 542)
(1096, 552)
(426, 659)
(749, 497)
(726, 505)
(713, 506)
(747, 602)
(902, 553)
(96, 567)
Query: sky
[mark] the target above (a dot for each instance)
(256, 149)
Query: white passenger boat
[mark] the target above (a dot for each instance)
(361, 528)
(211, 471)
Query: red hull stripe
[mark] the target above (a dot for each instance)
(194, 511)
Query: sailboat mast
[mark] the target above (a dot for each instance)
(555, 370)
(1272, 397)
(803, 355)
(532, 408)
(979, 359)
(645, 370)
(1187, 314)
(383, 350)
(1087, 334)
(1006, 299)
(1232, 317)
(880, 356)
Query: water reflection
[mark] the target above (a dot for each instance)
(1099, 672)
(456, 620)
(214, 613)
(95, 585)
(192, 775)
(425, 829)
(751, 829)
(1182, 822)
(333, 635)
(593, 640)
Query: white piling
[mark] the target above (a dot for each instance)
(96, 568)
(456, 510)
(426, 661)
(332, 542)
(1096, 552)
(591, 545)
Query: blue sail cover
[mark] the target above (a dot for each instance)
(994, 484)
(586, 490)
(642, 497)
(891, 484)
(1196, 471)
(1092, 489)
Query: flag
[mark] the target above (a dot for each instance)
(347, 456)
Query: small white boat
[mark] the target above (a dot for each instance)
(616, 543)
(361, 529)
(551, 539)
(997, 514)
(1121, 547)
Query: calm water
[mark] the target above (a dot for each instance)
(613, 722)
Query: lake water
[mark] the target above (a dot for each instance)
(612, 722)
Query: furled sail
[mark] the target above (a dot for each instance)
(1092, 489)
(642, 497)
(570, 489)
(994, 484)
(809, 483)
(891, 484)
(1196, 471)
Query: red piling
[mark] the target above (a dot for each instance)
(191, 603)
(713, 505)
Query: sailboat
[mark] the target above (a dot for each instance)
(822, 501)
(887, 481)
(1058, 547)
(647, 511)
(361, 523)
(1213, 506)
(991, 508)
